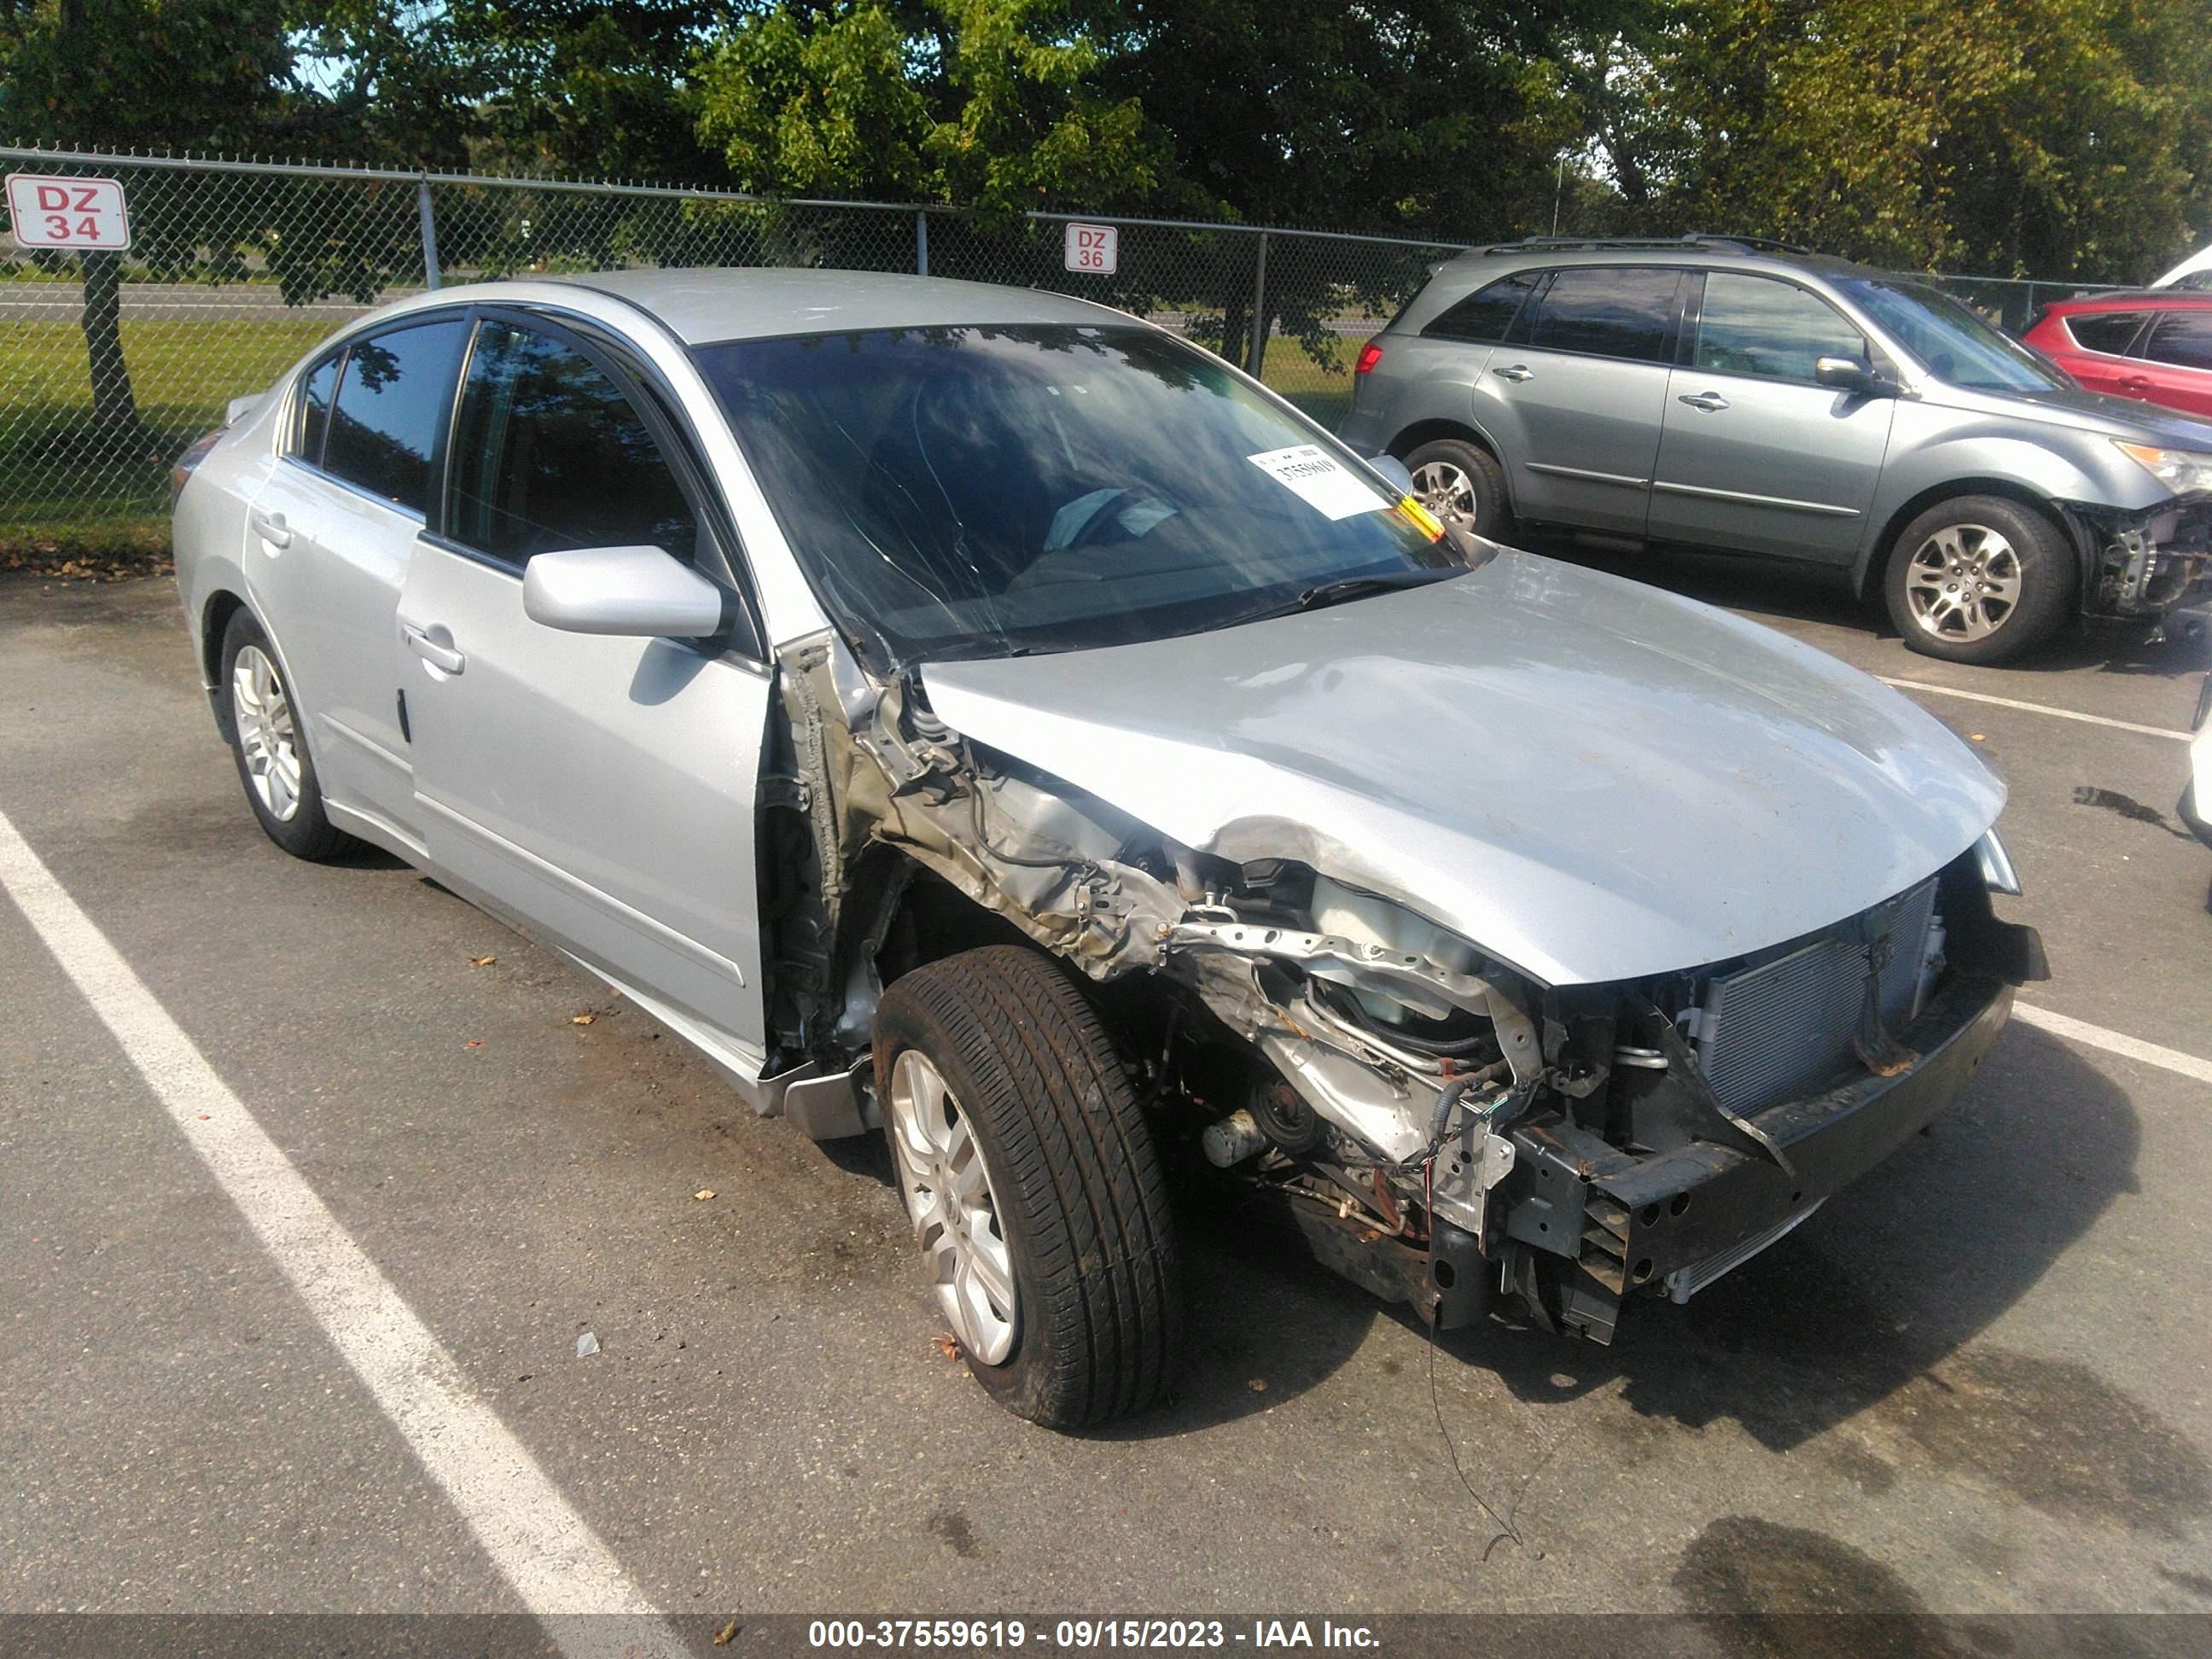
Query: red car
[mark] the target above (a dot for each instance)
(2155, 344)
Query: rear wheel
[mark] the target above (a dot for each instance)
(1027, 1170)
(269, 745)
(1462, 483)
(1978, 579)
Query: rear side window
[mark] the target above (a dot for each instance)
(315, 408)
(1486, 314)
(2182, 338)
(384, 422)
(1761, 326)
(2108, 332)
(548, 454)
(1623, 312)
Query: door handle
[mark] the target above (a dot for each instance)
(270, 527)
(1516, 371)
(2134, 383)
(1710, 402)
(438, 653)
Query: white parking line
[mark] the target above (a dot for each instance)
(547, 1553)
(2080, 1030)
(2036, 708)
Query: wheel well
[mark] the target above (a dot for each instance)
(1885, 545)
(1426, 432)
(222, 606)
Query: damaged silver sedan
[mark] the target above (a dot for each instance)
(978, 717)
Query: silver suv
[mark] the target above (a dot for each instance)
(1733, 393)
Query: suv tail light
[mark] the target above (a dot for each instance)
(1370, 354)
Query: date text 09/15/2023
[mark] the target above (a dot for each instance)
(1089, 1635)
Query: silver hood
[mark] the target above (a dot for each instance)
(1590, 778)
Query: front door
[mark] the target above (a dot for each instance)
(598, 789)
(1757, 455)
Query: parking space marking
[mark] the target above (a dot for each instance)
(546, 1552)
(2036, 708)
(2096, 1037)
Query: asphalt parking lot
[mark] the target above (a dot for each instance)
(1976, 1383)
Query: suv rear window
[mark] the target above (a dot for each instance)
(2184, 339)
(1487, 314)
(1610, 313)
(2108, 332)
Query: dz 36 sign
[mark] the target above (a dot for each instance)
(1092, 248)
(47, 211)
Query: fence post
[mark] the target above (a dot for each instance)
(429, 232)
(921, 243)
(1258, 356)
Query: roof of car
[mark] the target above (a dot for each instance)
(1700, 249)
(706, 306)
(2136, 299)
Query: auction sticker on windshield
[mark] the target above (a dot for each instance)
(1309, 471)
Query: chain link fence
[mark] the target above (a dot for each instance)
(110, 364)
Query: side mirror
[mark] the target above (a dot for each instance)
(1394, 470)
(1850, 374)
(638, 592)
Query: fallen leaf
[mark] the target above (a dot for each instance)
(949, 1347)
(473, 1043)
(704, 1193)
(582, 1019)
(1258, 1385)
(1978, 737)
(725, 1635)
(482, 962)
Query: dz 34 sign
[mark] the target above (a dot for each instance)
(44, 210)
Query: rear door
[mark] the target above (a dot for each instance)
(2097, 354)
(1757, 455)
(329, 541)
(2177, 362)
(599, 789)
(1574, 395)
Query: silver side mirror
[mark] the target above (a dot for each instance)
(1394, 471)
(639, 592)
(1849, 374)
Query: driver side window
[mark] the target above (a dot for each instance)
(548, 454)
(1771, 329)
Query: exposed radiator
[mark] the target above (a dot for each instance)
(1782, 1029)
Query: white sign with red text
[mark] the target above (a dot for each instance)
(47, 211)
(1094, 248)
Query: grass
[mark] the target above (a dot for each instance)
(52, 497)
(1321, 386)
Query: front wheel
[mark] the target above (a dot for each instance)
(1030, 1179)
(1978, 579)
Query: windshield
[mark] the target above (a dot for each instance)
(1951, 341)
(989, 490)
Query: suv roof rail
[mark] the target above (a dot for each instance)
(1695, 239)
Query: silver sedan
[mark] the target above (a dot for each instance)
(980, 717)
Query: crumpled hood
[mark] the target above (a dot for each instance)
(1590, 778)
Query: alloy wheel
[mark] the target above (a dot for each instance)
(1964, 582)
(266, 736)
(955, 1212)
(1446, 491)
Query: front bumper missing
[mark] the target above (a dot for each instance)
(2148, 564)
(1586, 1224)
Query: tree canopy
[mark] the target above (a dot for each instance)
(2055, 138)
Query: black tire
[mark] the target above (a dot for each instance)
(2047, 576)
(307, 832)
(1077, 1187)
(1485, 479)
